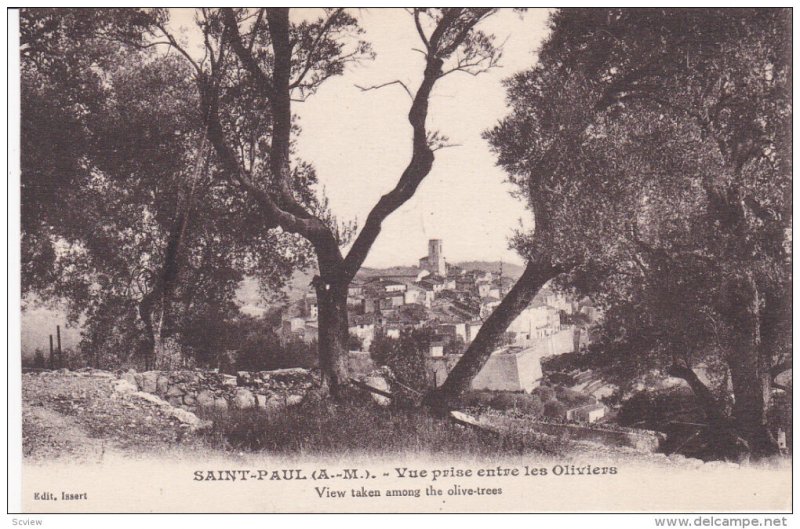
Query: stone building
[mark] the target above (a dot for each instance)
(434, 261)
(510, 369)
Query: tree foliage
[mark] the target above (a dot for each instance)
(107, 183)
(653, 148)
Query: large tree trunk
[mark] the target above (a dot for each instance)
(751, 390)
(333, 335)
(711, 406)
(749, 367)
(155, 310)
(536, 274)
(721, 430)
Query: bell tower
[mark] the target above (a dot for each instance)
(436, 262)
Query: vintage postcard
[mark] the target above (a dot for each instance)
(422, 260)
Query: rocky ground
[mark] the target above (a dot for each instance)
(82, 416)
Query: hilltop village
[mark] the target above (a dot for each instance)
(453, 302)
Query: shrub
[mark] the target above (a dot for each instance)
(405, 356)
(555, 410)
(474, 399)
(655, 410)
(354, 343)
(545, 393)
(573, 398)
(258, 347)
(527, 404)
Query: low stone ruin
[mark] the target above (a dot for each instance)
(201, 390)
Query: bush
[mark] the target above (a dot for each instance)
(527, 404)
(405, 356)
(258, 347)
(478, 399)
(655, 410)
(545, 393)
(573, 398)
(354, 343)
(555, 410)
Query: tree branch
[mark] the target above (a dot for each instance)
(419, 166)
(422, 36)
(376, 87)
(174, 44)
(281, 208)
(249, 62)
(310, 59)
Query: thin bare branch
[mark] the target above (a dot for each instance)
(422, 36)
(254, 30)
(376, 87)
(174, 44)
(445, 146)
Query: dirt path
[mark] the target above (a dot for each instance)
(81, 416)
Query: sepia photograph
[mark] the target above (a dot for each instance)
(403, 260)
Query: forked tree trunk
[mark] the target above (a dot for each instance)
(278, 202)
(722, 432)
(446, 396)
(712, 408)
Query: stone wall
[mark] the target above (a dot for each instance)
(209, 391)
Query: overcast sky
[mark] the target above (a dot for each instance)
(360, 142)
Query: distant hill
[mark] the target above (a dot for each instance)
(366, 272)
(509, 269)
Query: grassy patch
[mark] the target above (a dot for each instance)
(322, 427)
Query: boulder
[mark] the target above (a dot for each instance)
(189, 400)
(148, 381)
(205, 399)
(187, 417)
(123, 386)
(244, 378)
(174, 391)
(130, 377)
(378, 381)
(220, 404)
(261, 401)
(162, 384)
(244, 399)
